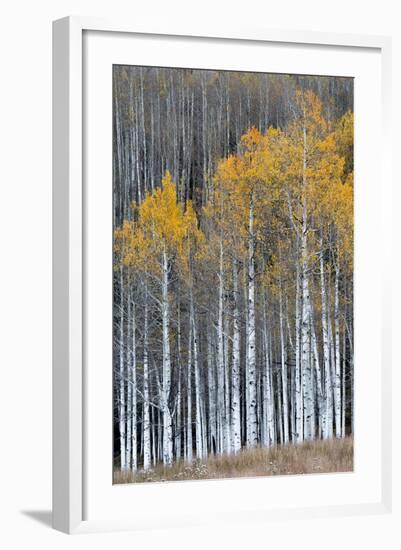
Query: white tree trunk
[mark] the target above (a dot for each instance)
(235, 371)
(204, 426)
(220, 352)
(198, 420)
(343, 391)
(146, 417)
(299, 422)
(154, 439)
(178, 422)
(284, 372)
(306, 357)
(134, 460)
(189, 396)
(253, 436)
(279, 416)
(227, 423)
(247, 426)
(328, 422)
(129, 388)
(122, 417)
(211, 394)
(306, 317)
(178, 428)
(337, 377)
(318, 378)
(267, 386)
(166, 382)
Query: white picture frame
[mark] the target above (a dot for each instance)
(69, 257)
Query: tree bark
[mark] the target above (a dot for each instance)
(146, 418)
(166, 382)
(235, 371)
(253, 436)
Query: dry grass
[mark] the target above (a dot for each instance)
(313, 457)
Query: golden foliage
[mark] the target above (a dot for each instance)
(161, 226)
(305, 170)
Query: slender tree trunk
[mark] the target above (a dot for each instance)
(146, 418)
(134, 459)
(299, 436)
(235, 371)
(306, 314)
(220, 379)
(351, 368)
(247, 414)
(189, 396)
(154, 439)
(284, 375)
(227, 423)
(129, 387)
(133, 397)
(343, 399)
(122, 412)
(279, 417)
(328, 423)
(166, 383)
(198, 427)
(268, 400)
(337, 377)
(253, 439)
(318, 384)
(178, 428)
(211, 373)
(144, 147)
(204, 425)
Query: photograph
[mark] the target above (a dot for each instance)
(233, 263)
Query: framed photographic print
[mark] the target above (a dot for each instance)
(219, 327)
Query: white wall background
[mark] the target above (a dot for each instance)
(25, 291)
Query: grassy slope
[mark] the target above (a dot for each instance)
(334, 455)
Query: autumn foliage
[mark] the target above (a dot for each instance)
(243, 302)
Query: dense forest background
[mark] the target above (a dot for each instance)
(233, 263)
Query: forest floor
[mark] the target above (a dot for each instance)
(335, 455)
